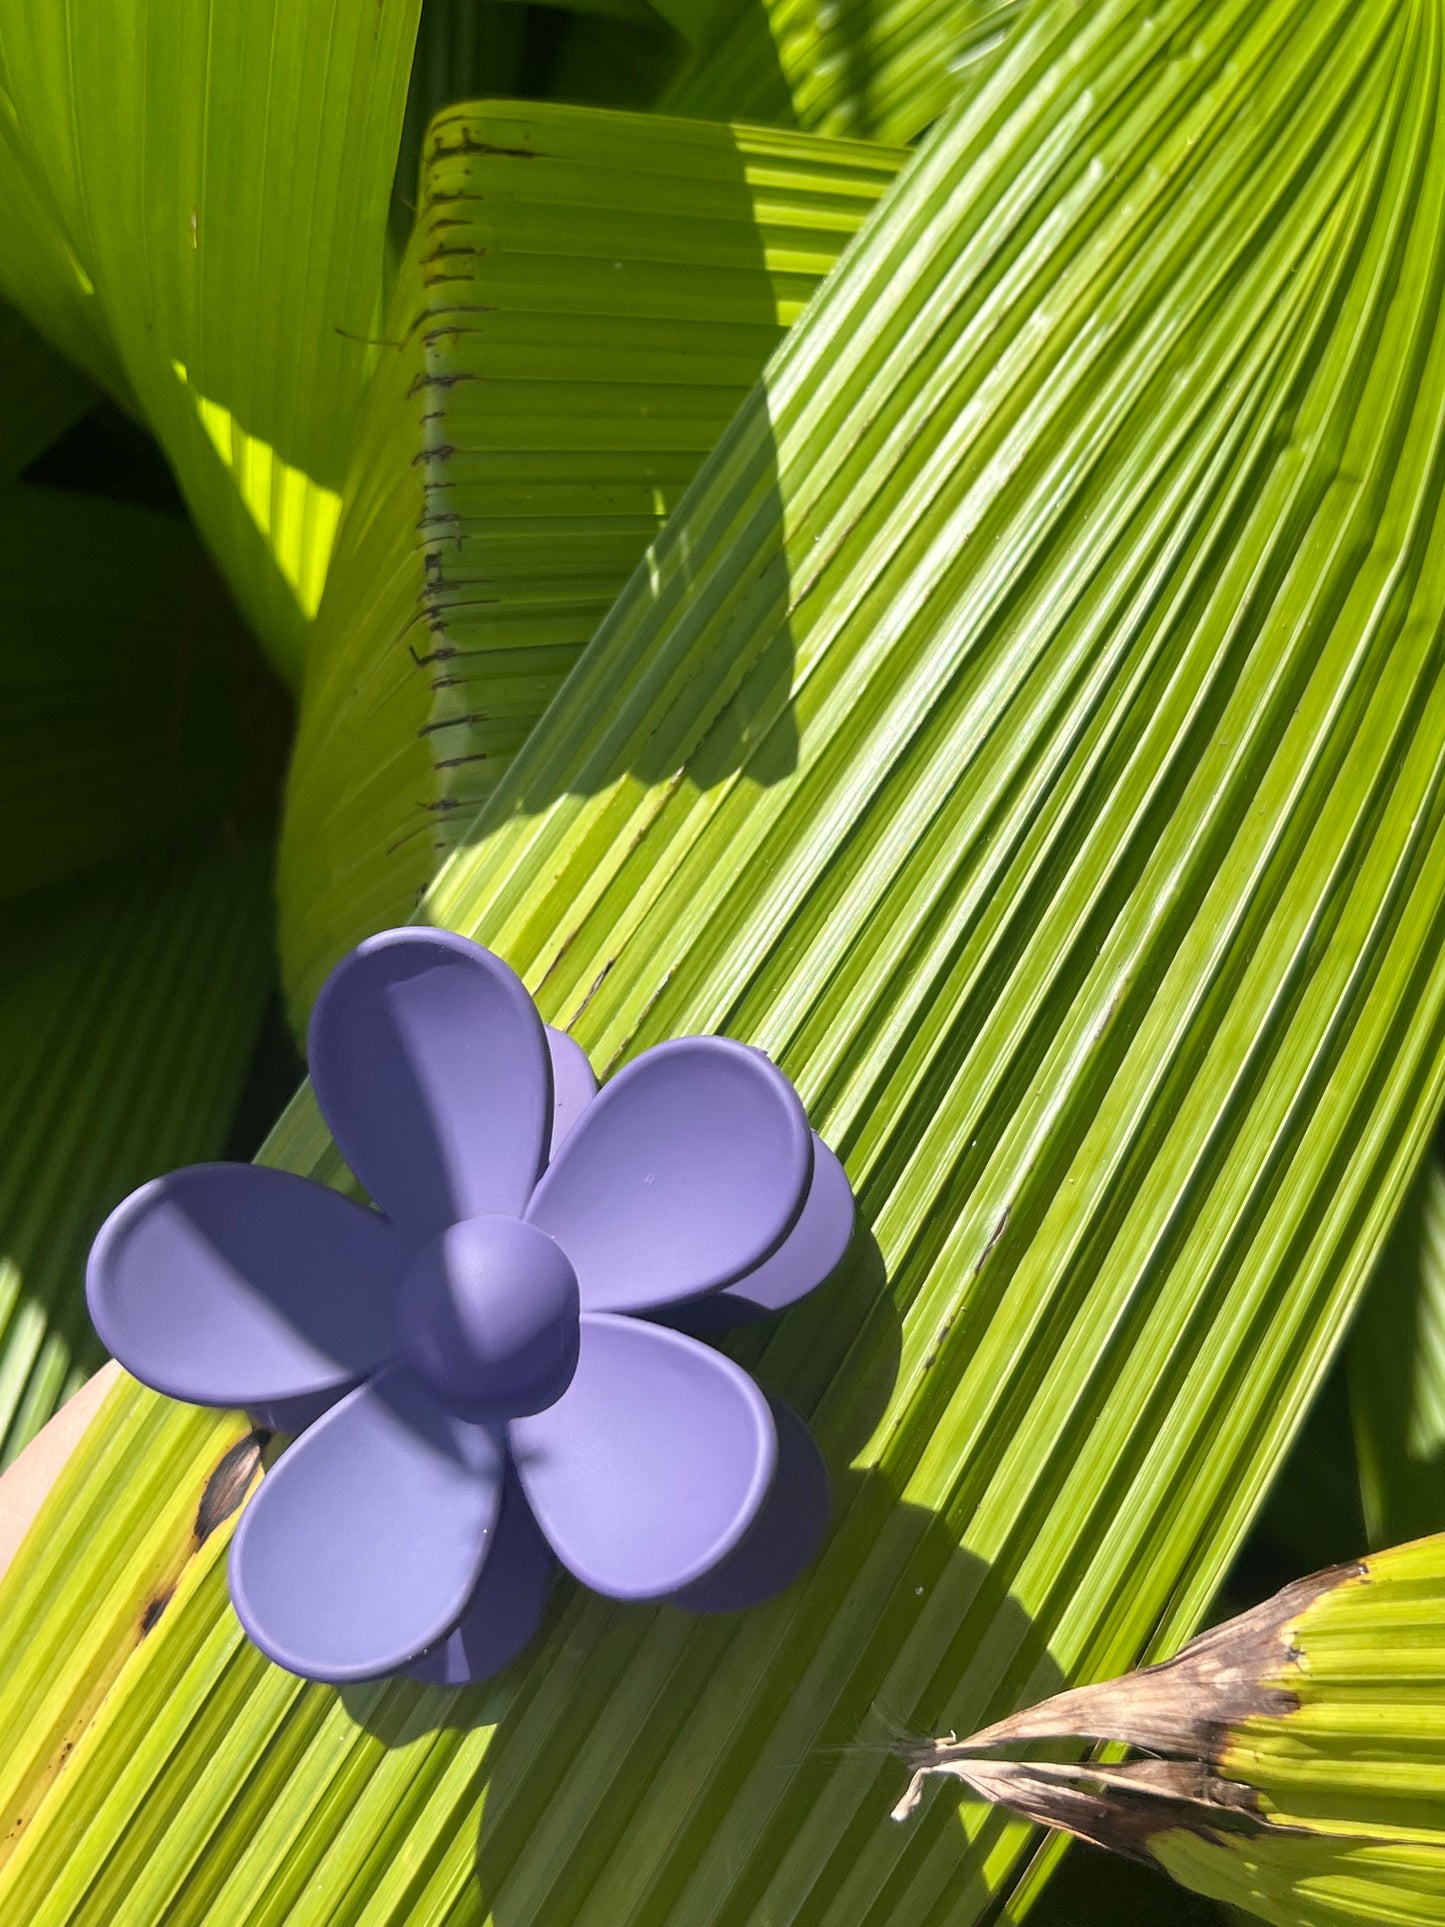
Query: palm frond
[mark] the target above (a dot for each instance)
(1294, 1756)
(587, 298)
(223, 275)
(856, 68)
(40, 395)
(1397, 1373)
(1351, 1777)
(1031, 734)
(129, 1006)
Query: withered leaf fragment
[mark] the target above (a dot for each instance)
(1303, 1744)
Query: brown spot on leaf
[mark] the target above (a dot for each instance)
(597, 983)
(467, 144)
(993, 1238)
(153, 1608)
(227, 1485)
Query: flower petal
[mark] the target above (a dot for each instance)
(505, 1610)
(653, 1463)
(783, 1541)
(574, 1084)
(362, 1547)
(685, 1171)
(232, 1284)
(811, 1252)
(432, 1069)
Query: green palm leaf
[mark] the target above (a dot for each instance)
(464, 49)
(133, 719)
(1295, 1756)
(223, 275)
(1357, 1766)
(40, 395)
(130, 701)
(885, 72)
(1095, 505)
(1397, 1373)
(587, 299)
(128, 1011)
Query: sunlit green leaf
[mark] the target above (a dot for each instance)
(1030, 726)
(223, 273)
(852, 67)
(587, 299)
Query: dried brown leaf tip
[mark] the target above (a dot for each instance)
(1185, 1709)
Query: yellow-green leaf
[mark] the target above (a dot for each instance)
(587, 298)
(193, 204)
(1083, 547)
(882, 71)
(128, 1007)
(1351, 1778)
(1295, 1755)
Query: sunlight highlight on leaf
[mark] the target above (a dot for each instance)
(1030, 729)
(586, 299)
(240, 235)
(296, 517)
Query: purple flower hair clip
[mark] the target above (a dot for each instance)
(501, 1365)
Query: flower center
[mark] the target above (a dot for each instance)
(488, 1315)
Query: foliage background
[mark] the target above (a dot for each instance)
(245, 480)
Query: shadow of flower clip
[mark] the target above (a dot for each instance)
(505, 1361)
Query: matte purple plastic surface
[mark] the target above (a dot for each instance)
(363, 1544)
(505, 1608)
(230, 1284)
(687, 1168)
(784, 1539)
(574, 1084)
(652, 1464)
(476, 1401)
(488, 1316)
(811, 1252)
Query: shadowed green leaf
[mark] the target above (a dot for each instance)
(465, 49)
(221, 275)
(128, 1008)
(587, 298)
(1030, 727)
(1397, 1373)
(130, 701)
(40, 395)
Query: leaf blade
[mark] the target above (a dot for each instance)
(1099, 922)
(587, 297)
(224, 275)
(111, 1077)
